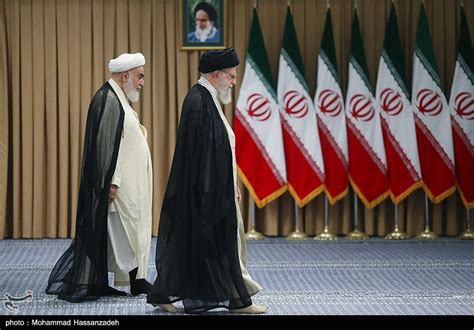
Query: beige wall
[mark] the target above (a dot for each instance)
(53, 56)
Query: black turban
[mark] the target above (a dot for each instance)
(218, 60)
(208, 8)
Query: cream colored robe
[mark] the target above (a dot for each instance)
(252, 286)
(129, 217)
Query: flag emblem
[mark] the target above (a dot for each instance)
(330, 103)
(296, 105)
(391, 102)
(362, 107)
(258, 107)
(429, 102)
(464, 105)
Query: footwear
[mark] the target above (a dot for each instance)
(109, 291)
(252, 309)
(170, 308)
(138, 286)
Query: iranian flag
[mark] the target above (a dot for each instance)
(398, 124)
(257, 126)
(329, 104)
(432, 118)
(461, 105)
(304, 160)
(367, 161)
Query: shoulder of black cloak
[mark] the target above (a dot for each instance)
(103, 134)
(189, 138)
(202, 154)
(193, 110)
(194, 139)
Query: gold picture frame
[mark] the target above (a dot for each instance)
(211, 15)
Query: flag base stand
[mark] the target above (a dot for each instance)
(467, 234)
(396, 235)
(297, 235)
(427, 235)
(253, 235)
(325, 235)
(357, 234)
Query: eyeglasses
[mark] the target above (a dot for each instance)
(232, 76)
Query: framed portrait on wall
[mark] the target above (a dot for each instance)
(202, 24)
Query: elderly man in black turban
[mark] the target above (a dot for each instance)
(205, 16)
(200, 252)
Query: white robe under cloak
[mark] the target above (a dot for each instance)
(130, 214)
(252, 286)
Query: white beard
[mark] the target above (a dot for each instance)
(132, 94)
(202, 34)
(225, 95)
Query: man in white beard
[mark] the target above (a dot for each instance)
(200, 251)
(132, 92)
(206, 31)
(113, 225)
(130, 195)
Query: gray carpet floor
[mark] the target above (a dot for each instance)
(374, 277)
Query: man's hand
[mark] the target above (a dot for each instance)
(239, 195)
(113, 192)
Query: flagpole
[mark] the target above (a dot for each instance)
(468, 233)
(326, 235)
(396, 234)
(427, 234)
(356, 233)
(253, 234)
(297, 235)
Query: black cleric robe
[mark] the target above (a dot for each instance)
(197, 257)
(81, 272)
